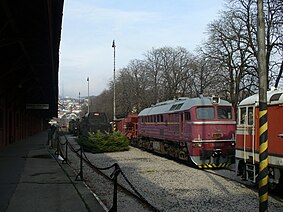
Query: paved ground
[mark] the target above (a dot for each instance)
(33, 180)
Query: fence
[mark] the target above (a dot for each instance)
(54, 140)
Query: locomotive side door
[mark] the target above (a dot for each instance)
(251, 130)
(181, 125)
(247, 120)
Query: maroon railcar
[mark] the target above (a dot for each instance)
(200, 130)
(128, 126)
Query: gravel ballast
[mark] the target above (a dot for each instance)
(166, 184)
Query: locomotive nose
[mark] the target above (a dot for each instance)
(217, 153)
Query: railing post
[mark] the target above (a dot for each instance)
(57, 143)
(114, 175)
(66, 152)
(80, 174)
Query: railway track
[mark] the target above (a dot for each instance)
(226, 174)
(229, 174)
(160, 181)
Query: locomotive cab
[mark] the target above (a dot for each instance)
(213, 130)
(247, 138)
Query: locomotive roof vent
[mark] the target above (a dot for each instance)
(215, 100)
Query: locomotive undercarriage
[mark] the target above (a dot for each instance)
(170, 149)
(249, 171)
(179, 150)
(213, 159)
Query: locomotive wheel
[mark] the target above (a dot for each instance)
(182, 155)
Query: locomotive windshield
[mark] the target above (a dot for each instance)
(205, 113)
(208, 113)
(224, 112)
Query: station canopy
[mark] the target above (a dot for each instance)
(30, 33)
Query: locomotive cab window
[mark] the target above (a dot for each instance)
(246, 116)
(250, 116)
(224, 113)
(242, 115)
(275, 97)
(205, 113)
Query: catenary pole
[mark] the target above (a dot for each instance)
(263, 136)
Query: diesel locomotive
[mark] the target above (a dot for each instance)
(247, 137)
(199, 130)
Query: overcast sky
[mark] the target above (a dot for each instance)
(90, 26)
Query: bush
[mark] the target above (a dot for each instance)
(100, 142)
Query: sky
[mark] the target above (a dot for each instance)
(90, 26)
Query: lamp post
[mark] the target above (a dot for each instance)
(87, 94)
(114, 91)
(80, 101)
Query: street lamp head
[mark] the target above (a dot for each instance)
(113, 44)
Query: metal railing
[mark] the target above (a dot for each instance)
(55, 142)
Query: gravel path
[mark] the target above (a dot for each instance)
(168, 185)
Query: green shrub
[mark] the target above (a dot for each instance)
(100, 142)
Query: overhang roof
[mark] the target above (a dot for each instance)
(30, 33)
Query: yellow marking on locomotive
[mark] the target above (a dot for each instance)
(222, 165)
(160, 123)
(212, 165)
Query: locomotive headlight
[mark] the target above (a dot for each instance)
(197, 145)
(215, 100)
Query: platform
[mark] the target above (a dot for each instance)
(32, 179)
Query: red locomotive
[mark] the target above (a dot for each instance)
(247, 137)
(199, 130)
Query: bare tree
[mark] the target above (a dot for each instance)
(168, 70)
(103, 103)
(224, 47)
(246, 11)
(232, 46)
(153, 72)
